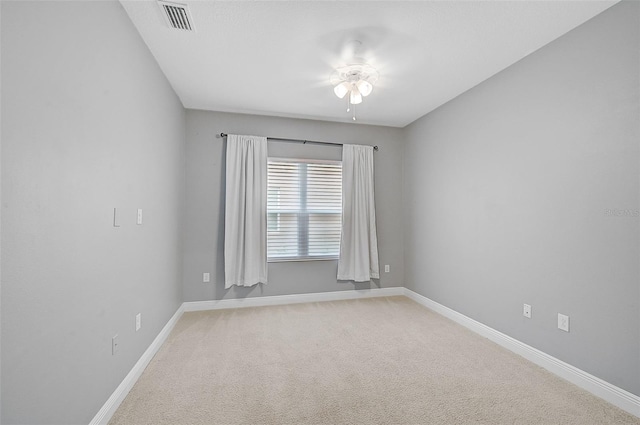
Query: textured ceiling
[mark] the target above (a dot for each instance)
(276, 58)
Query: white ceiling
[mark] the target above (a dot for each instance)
(276, 58)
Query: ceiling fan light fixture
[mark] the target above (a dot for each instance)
(355, 80)
(355, 97)
(364, 87)
(342, 89)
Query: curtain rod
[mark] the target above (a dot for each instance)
(375, 148)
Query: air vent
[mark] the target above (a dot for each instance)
(177, 15)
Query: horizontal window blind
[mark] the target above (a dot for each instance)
(304, 209)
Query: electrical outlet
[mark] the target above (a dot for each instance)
(563, 322)
(139, 220)
(526, 311)
(386, 268)
(206, 277)
(138, 321)
(114, 345)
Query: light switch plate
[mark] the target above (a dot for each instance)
(116, 219)
(139, 220)
(114, 345)
(206, 277)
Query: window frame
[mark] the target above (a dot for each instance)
(298, 258)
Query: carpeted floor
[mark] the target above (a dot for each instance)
(370, 361)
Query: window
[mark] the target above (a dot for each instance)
(304, 209)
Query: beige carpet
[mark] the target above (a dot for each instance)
(371, 361)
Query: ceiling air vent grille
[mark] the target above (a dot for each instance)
(177, 15)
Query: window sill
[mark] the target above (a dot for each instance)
(287, 260)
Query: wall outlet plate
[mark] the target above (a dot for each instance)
(386, 268)
(526, 311)
(138, 321)
(206, 277)
(563, 322)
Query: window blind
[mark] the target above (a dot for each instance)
(304, 209)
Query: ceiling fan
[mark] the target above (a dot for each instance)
(354, 81)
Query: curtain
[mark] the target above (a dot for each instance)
(359, 241)
(245, 227)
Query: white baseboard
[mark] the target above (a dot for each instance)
(614, 395)
(109, 408)
(291, 299)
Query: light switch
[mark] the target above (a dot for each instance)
(116, 219)
(114, 345)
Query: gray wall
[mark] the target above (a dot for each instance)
(89, 123)
(0, 222)
(507, 192)
(204, 233)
